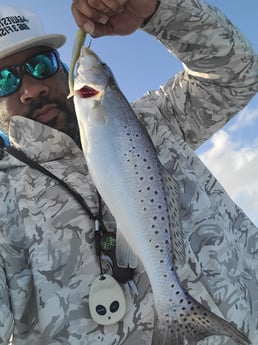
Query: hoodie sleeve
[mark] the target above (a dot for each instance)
(219, 76)
(6, 316)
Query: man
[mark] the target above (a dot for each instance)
(48, 260)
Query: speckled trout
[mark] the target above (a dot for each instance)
(126, 171)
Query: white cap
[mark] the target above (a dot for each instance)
(21, 29)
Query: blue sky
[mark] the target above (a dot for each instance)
(141, 63)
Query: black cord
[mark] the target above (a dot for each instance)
(35, 165)
(99, 225)
(121, 274)
(2, 148)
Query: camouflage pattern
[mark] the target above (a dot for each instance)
(47, 256)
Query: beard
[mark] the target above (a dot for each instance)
(70, 127)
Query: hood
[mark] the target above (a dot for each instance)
(38, 141)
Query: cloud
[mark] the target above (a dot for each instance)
(236, 166)
(246, 117)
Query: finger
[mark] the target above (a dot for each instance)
(101, 7)
(83, 12)
(100, 30)
(116, 5)
(78, 16)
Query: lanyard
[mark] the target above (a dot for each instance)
(20, 155)
(105, 241)
(107, 303)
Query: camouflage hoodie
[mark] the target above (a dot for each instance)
(47, 256)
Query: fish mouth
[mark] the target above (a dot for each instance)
(87, 92)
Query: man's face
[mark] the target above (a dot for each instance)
(44, 101)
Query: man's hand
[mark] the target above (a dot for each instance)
(111, 17)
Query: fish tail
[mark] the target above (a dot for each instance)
(187, 326)
(166, 334)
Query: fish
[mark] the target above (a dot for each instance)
(143, 198)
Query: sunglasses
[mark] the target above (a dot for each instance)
(40, 66)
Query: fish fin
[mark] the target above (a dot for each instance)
(193, 324)
(124, 255)
(172, 195)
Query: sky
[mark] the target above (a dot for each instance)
(140, 63)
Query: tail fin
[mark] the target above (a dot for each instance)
(190, 323)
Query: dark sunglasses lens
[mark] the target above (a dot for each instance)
(42, 66)
(9, 81)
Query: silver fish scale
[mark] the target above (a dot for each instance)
(140, 156)
(143, 177)
(172, 194)
(157, 192)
